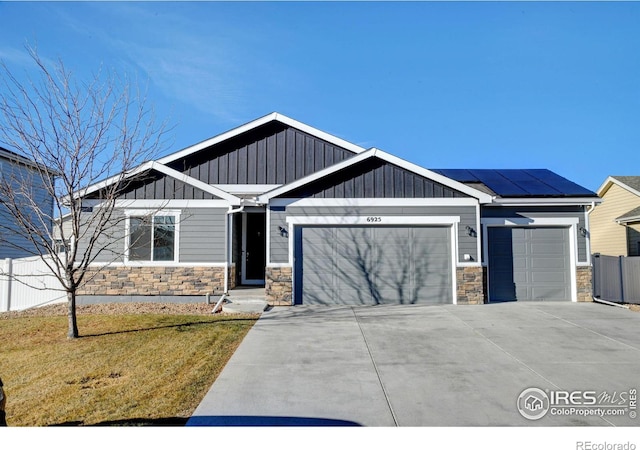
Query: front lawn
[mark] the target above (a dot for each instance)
(133, 369)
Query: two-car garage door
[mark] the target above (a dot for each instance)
(529, 263)
(369, 265)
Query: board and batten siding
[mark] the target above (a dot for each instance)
(577, 212)
(271, 154)
(375, 178)
(160, 186)
(279, 244)
(607, 236)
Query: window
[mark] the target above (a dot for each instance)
(152, 238)
(60, 246)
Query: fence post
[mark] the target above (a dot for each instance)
(6, 292)
(621, 268)
(595, 275)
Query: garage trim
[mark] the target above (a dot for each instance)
(525, 222)
(452, 221)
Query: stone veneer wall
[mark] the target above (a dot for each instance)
(127, 280)
(278, 286)
(583, 284)
(232, 282)
(470, 282)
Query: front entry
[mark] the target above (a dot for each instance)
(253, 248)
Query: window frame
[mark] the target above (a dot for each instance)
(152, 214)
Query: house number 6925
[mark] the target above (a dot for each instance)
(374, 219)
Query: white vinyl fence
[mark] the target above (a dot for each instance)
(26, 283)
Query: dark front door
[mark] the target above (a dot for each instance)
(253, 248)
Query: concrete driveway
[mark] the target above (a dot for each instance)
(429, 366)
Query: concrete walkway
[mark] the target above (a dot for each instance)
(422, 365)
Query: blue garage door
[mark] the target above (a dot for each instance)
(529, 264)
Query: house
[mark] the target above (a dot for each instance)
(319, 220)
(26, 190)
(615, 223)
(533, 403)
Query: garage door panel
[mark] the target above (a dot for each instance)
(548, 277)
(545, 249)
(549, 263)
(529, 263)
(546, 293)
(374, 265)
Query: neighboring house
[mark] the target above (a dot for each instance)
(26, 183)
(318, 220)
(615, 224)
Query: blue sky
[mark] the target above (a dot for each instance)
(441, 84)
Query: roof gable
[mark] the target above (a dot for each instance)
(277, 117)
(375, 174)
(153, 180)
(271, 153)
(630, 183)
(374, 178)
(154, 185)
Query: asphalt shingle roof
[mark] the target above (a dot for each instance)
(632, 181)
(630, 216)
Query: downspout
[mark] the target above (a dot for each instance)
(226, 252)
(227, 247)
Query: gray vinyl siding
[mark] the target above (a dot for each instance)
(270, 154)
(111, 244)
(279, 245)
(375, 178)
(577, 212)
(201, 237)
(13, 243)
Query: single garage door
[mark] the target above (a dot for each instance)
(356, 265)
(529, 264)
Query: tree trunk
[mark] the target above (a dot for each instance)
(71, 315)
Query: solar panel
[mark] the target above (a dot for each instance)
(519, 182)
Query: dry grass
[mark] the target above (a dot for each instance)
(128, 369)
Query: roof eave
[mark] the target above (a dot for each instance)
(627, 220)
(516, 201)
(19, 159)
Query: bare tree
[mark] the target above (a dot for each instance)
(76, 134)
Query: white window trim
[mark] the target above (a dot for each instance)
(565, 222)
(151, 213)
